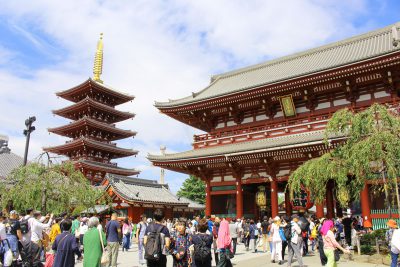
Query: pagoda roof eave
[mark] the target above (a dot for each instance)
(134, 190)
(243, 148)
(61, 149)
(62, 130)
(68, 94)
(356, 49)
(108, 168)
(90, 102)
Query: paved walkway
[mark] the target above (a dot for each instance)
(242, 259)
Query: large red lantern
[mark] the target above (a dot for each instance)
(301, 200)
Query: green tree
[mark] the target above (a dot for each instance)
(371, 151)
(193, 189)
(56, 188)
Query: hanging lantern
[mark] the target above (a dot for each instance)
(261, 199)
(301, 200)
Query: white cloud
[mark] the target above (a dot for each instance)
(154, 50)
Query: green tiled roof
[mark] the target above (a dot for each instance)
(362, 47)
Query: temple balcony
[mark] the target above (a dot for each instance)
(258, 132)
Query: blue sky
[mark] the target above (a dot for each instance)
(155, 50)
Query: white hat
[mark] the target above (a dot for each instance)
(277, 218)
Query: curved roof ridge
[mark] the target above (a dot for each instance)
(343, 53)
(90, 80)
(304, 53)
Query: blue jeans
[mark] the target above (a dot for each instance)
(394, 257)
(126, 242)
(140, 249)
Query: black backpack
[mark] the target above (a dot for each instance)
(304, 224)
(202, 253)
(24, 225)
(287, 231)
(152, 249)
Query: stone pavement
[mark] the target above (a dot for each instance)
(242, 259)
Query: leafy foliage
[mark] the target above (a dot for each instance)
(194, 189)
(55, 188)
(371, 152)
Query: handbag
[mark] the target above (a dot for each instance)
(8, 254)
(104, 257)
(77, 233)
(337, 255)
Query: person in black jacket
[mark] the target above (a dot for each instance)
(305, 228)
(264, 230)
(322, 256)
(197, 241)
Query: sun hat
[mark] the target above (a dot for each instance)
(277, 218)
(13, 212)
(392, 223)
(367, 224)
(321, 220)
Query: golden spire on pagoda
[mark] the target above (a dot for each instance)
(98, 60)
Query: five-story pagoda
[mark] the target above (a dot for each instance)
(93, 129)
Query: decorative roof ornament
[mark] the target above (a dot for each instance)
(395, 34)
(98, 60)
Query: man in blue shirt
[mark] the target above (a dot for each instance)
(113, 229)
(210, 224)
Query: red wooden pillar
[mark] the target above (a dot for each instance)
(365, 207)
(239, 198)
(208, 198)
(274, 198)
(131, 214)
(288, 204)
(319, 210)
(330, 207)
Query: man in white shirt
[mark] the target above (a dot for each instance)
(38, 227)
(296, 242)
(395, 246)
(3, 235)
(234, 231)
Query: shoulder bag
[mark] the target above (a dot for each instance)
(104, 256)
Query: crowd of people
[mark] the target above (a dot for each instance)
(31, 239)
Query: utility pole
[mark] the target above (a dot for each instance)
(162, 175)
(27, 133)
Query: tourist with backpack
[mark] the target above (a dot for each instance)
(253, 236)
(284, 223)
(202, 245)
(264, 232)
(276, 241)
(181, 241)
(295, 241)
(140, 233)
(13, 234)
(65, 247)
(156, 241)
(305, 228)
